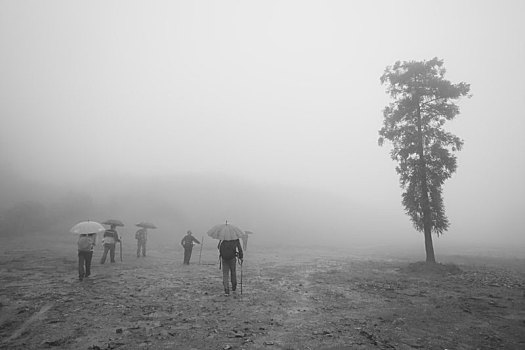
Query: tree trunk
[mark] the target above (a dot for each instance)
(425, 203)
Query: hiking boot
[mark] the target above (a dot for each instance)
(226, 293)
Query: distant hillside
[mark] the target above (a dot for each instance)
(277, 214)
(274, 213)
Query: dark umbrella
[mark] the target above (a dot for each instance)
(114, 222)
(146, 224)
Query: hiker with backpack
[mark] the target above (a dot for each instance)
(85, 244)
(110, 240)
(187, 242)
(229, 251)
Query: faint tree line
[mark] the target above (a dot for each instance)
(34, 216)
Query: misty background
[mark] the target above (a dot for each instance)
(265, 114)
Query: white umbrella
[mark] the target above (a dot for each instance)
(225, 232)
(87, 227)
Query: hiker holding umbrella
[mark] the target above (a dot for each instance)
(142, 236)
(113, 223)
(87, 238)
(229, 250)
(110, 240)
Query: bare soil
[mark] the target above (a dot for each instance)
(291, 299)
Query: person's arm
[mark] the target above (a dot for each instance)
(239, 248)
(182, 241)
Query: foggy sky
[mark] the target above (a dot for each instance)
(274, 93)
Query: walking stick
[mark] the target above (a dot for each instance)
(200, 254)
(241, 277)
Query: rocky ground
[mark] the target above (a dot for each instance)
(291, 299)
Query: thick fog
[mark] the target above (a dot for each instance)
(265, 114)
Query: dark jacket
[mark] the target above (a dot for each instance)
(188, 240)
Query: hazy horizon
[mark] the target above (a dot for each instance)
(277, 100)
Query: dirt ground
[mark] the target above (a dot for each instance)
(291, 299)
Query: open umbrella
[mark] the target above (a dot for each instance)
(146, 224)
(114, 222)
(87, 227)
(225, 232)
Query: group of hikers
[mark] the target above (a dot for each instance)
(230, 252)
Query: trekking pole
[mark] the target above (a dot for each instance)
(241, 276)
(200, 254)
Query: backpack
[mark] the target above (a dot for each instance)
(84, 244)
(227, 249)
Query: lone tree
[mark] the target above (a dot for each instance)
(413, 122)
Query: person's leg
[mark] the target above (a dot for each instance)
(226, 276)
(112, 253)
(186, 256)
(234, 273)
(80, 265)
(138, 248)
(144, 248)
(189, 255)
(88, 258)
(105, 254)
